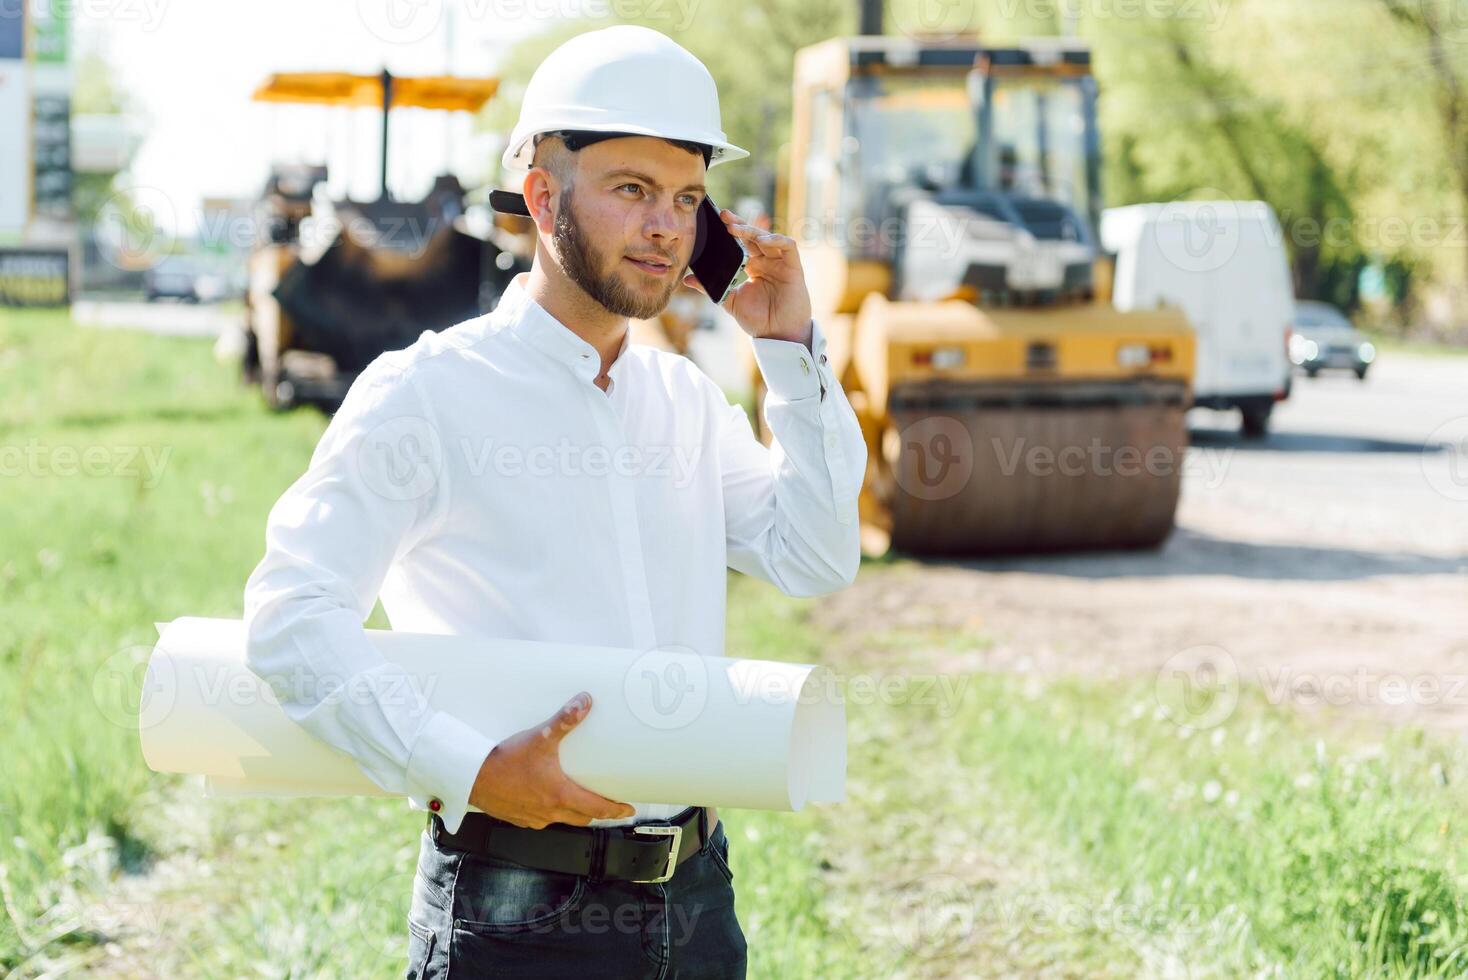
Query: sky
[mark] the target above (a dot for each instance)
(192, 65)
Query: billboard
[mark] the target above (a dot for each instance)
(50, 111)
(35, 277)
(12, 31)
(15, 154)
(49, 33)
(51, 151)
(35, 106)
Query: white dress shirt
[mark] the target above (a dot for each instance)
(482, 484)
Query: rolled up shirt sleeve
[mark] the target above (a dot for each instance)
(790, 508)
(376, 484)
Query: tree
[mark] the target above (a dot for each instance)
(1435, 28)
(96, 92)
(1180, 121)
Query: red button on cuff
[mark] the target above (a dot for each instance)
(435, 805)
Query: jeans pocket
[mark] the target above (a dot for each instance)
(434, 881)
(496, 897)
(421, 943)
(719, 851)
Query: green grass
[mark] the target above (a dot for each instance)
(95, 549)
(1274, 846)
(999, 825)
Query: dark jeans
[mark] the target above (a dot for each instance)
(474, 916)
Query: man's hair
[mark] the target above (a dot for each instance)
(553, 150)
(552, 153)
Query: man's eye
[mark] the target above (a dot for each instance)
(635, 187)
(690, 199)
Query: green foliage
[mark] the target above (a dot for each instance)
(1361, 148)
(96, 90)
(1283, 100)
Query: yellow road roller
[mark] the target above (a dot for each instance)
(945, 195)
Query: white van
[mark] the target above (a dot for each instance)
(1223, 263)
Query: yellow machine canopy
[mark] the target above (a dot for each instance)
(381, 91)
(373, 91)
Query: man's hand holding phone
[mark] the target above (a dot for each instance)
(773, 302)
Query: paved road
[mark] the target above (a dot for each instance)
(1324, 558)
(1379, 465)
(166, 317)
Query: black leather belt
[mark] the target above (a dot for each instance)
(644, 852)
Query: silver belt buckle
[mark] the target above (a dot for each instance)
(660, 831)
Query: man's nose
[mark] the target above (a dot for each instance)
(665, 224)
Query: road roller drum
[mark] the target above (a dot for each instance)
(1010, 470)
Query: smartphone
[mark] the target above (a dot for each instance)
(717, 260)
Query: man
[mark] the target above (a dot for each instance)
(531, 474)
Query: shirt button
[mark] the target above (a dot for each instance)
(435, 804)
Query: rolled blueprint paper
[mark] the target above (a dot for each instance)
(665, 726)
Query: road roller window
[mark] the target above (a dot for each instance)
(908, 131)
(1040, 146)
(820, 162)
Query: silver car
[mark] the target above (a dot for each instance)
(1324, 338)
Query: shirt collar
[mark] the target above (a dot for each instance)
(533, 324)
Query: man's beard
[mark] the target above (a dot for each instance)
(582, 265)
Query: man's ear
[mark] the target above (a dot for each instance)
(539, 195)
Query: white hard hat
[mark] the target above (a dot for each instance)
(623, 79)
